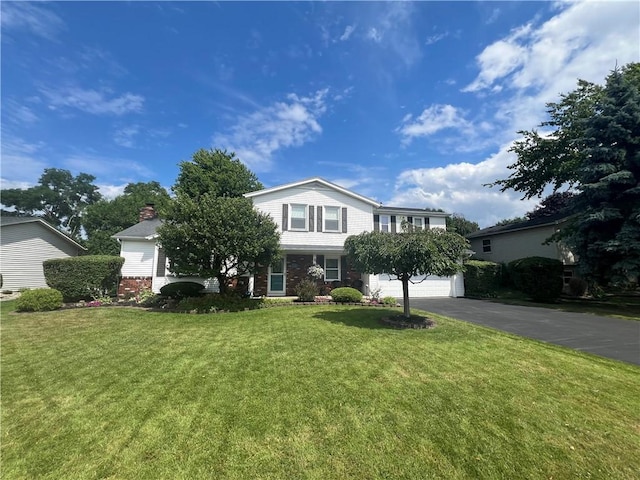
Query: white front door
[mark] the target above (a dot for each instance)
(277, 277)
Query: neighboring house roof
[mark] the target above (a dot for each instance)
(309, 182)
(9, 221)
(145, 230)
(512, 227)
(410, 211)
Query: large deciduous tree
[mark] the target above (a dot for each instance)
(407, 255)
(460, 225)
(219, 237)
(217, 173)
(106, 217)
(59, 198)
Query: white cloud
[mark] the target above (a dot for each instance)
(109, 168)
(93, 101)
(125, 136)
(393, 31)
(21, 162)
(255, 137)
(16, 113)
(374, 35)
(32, 17)
(432, 120)
(347, 33)
(110, 192)
(436, 38)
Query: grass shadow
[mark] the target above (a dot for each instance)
(365, 317)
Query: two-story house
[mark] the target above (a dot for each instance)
(314, 218)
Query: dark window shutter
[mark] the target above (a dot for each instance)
(393, 224)
(426, 223)
(311, 218)
(320, 260)
(410, 220)
(320, 220)
(285, 217)
(162, 262)
(344, 219)
(343, 269)
(376, 223)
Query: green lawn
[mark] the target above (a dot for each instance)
(304, 392)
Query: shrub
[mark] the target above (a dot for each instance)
(182, 289)
(346, 295)
(214, 302)
(391, 301)
(538, 277)
(482, 279)
(577, 287)
(307, 290)
(82, 278)
(39, 300)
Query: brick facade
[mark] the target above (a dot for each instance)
(131, 286)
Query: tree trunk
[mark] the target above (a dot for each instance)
(222, 283)
(405, 295)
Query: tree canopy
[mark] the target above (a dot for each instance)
(59, 198)
(216, 172)
(106, 217)
(458, 224)
(217, 237)
(407, 255)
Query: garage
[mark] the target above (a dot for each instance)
(431, 287)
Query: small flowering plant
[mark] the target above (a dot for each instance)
(315, 271)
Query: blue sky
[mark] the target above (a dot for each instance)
(413, 104)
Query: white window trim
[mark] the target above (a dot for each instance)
(284, 280)
(324, 219)
(487, 244)
(388, 217)
(339, 269)
(306, 217)
(421, 226)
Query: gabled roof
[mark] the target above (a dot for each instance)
(512, 227)
(309, 182)
(9, 221)
(145, 230)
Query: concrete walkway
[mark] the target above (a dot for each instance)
(606, 336)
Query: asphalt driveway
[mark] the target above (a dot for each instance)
(605, 336)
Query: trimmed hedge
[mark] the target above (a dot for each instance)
(39, 300)
(182, 289)
(538, 277)
(346, 295)
(83, 278)
(482, 279)
(214, 302)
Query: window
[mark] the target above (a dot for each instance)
(486, 246)
(331, 219)
(385, 222)
(331, 269)
(298, 217)
(418, 223)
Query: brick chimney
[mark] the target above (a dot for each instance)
(148, 212)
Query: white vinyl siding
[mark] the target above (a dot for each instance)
(138, 258)
(331, 219)
(23, 248)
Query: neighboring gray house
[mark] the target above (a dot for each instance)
(504, 243)
(26, 242)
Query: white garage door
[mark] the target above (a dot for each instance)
(431, 287)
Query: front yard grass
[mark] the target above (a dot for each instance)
(304, 392)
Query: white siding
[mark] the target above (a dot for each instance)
(359, 215)
(431, 287)
(437, 222)
(23, 248)
(139, 256)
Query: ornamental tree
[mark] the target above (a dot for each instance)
(217, 237)
(407, 255)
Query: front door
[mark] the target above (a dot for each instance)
(277, 279)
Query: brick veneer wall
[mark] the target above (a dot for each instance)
(131, 286)
(297, 266)
(260, 282)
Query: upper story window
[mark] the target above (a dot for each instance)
(298, 217)
(486, 245)
(385, 223)
(331, 219)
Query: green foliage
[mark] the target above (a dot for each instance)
(578, 287)
(107, 217)
(59, 198)
(460, 225)
(482, 279)
(216, 173)
(538, 277)
(181, 289)
(217, 237)
(346, 295)
(408, 254)
(555, 204)
(216, 302)
(39, 300)
(391, 301)
(82, 278)
(306, 290)
(510, 221)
